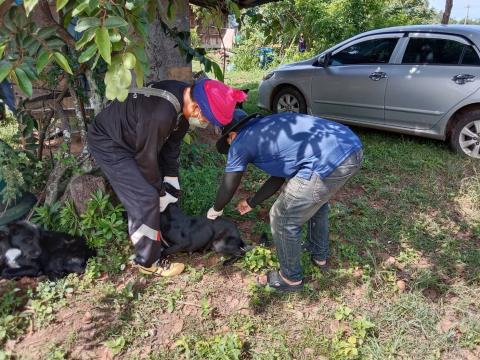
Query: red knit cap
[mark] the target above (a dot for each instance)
(217, 100)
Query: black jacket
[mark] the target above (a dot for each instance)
(147, 127)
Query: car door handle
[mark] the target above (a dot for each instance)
(462, 79)
(377, 75)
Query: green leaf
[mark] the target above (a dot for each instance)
(88, 53)
(80, 8)
(5, 68)
(171, 9)
(129, 60)
(113, 22)
(140, 54)
(102, 40)
(93, 4)
(62, 62)
(95, 61)
(8, 20)
(217, 71)
(60, 4)
(55, 43)
(47, 32)
(23, 81)
(87, 23)
(87, 36)
(29, 5)
(42, 61)
(29, 71)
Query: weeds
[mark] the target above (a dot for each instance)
(218, 347)
(260, 258)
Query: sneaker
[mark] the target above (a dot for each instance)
(163, 268)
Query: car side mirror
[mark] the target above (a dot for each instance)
(323, 60)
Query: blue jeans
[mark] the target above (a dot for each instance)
(305, 200)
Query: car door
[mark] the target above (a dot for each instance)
(432, 74)
(351, 88)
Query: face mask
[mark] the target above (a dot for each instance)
(196, 122)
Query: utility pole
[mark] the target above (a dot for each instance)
(468, 11)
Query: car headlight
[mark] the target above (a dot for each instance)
(269, 75)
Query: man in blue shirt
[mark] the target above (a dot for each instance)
(313, 156)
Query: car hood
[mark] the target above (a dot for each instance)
(296, 65)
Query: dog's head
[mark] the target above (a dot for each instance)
(25, 236)
(231, 245)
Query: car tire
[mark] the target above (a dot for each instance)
(289, 99)
(465, 135)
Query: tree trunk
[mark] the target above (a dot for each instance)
(448, 10)
(166, 62)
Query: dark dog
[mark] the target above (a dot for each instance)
(28, 250)
(186, 233)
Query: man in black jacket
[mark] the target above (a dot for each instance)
(137, 145)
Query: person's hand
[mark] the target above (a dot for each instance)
(212, 214)
(243, 207)
(166, 200)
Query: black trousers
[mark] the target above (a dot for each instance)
(140, 199)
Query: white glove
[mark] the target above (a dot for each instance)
(212, 214)
(166, 200)
(172, 181)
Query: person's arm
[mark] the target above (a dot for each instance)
(268, 188)
(230, 183)
(237, 161)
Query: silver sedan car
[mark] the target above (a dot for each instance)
(419, 80)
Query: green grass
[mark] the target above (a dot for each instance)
(413, 200)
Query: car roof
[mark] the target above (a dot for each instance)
(471, 32)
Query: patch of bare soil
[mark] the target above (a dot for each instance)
(77, 323)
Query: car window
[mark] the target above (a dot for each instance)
(438, 51)
(470, 56)
(375, 51)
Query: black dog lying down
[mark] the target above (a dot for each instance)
(28, 250)
(186, 233)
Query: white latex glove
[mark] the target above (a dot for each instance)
(212, 214)
(166, 200)
(172, 181)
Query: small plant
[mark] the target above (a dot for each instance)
(219, 347)
(207, 310)
(346, 343)
(47, 298)
(56, 353)
(102, 224)
(260, 258)
(343, 313)
(11, 323)
(172, 298)
(47, 216)
(116, 345)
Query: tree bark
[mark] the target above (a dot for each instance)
(96, 102)
(447, 12)
(166, 62)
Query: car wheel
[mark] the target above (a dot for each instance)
(289, 99)
(465, 138)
